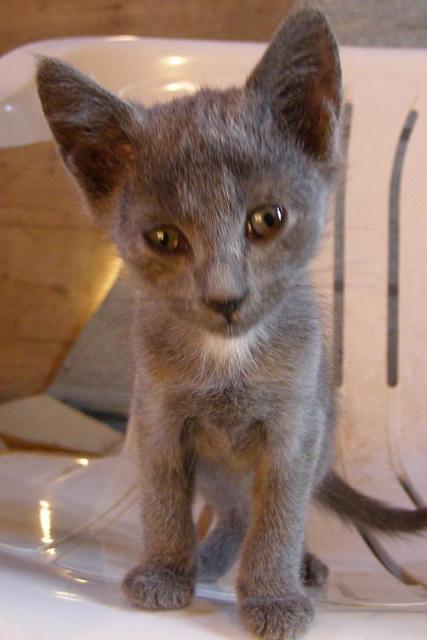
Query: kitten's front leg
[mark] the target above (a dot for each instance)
(165, 579)
(273, 604)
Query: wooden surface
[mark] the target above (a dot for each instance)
(42, 423)
(54, 267)
(22, 21)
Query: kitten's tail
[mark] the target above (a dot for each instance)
(361, 510)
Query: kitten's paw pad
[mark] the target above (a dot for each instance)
(313, 571)
(158, 588)
(283, 619)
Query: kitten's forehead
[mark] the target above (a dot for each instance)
(211, 149)
(197, 150)
(206, 124)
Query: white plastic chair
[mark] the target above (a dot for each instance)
(69, 527)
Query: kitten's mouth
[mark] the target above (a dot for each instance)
(230, 327)
(233, 329)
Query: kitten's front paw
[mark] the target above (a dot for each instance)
(277, 619)
(158, 588)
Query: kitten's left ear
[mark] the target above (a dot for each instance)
(300, 77)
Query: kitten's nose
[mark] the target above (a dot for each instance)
(225, 307)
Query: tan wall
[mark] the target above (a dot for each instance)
(24, 20)
(53, 265)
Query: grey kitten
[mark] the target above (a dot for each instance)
(216, 203)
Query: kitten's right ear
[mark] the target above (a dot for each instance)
(95, 131)
(299, 77)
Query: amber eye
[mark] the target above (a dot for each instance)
(265, 221)
(167, 239)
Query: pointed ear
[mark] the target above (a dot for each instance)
(300, 77)
(95, 130)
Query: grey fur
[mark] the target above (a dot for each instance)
(362, 510)
(238, 405)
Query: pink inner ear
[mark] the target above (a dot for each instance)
(322, 106)
(329, 81)
(128, 151)
(100, 160)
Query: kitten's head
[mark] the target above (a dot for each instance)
(216, 201)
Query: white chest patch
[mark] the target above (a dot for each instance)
(231, 353)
